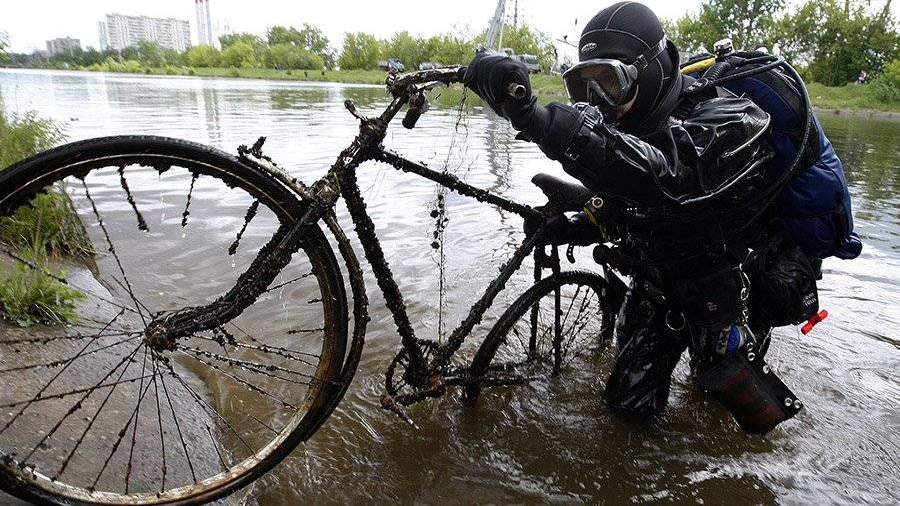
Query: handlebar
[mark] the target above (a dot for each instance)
(411, 88)
(449, 75)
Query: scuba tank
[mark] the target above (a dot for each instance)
(811, 197)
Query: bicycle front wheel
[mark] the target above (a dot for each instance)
(96, 408)
(544, 331)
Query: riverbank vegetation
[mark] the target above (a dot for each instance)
(41, 234)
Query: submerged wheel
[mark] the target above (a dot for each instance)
(544, 331)
(104, 236)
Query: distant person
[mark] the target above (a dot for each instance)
(691, 191)
(863, 77)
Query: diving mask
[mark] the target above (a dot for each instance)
(607, 82)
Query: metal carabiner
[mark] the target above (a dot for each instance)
(673, 327)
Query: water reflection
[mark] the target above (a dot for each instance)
(870, 152)
(552, 442)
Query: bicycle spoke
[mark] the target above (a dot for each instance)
(187, 454)
(274, 350)
(525, 347)
(78, 405)
(59, 373)
(57, 363)
(94, 418)
(121, 436)
(137, 422)
(587, 319)
(249, 366)
(251, 213)
(142, 225)
(282, 285)
(571, 303)
(305, 331)
(112, 250)
(56, 397)
(187, 206)
(211, 410)
(242, 381)
(75, 337)
(139, 303)
(216, 447)
(162, 439)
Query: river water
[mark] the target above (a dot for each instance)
(549, 442)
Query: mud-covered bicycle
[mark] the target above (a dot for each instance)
(153, 398)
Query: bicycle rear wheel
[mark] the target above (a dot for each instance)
(125, 229)
(544, 331)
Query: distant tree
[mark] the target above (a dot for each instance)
(524, 39)
(449, 49)
(309, 38)
(203, 56)
(843, 44)
(748, 23)
(360, 51)
(129, 53)
(231, 38)
(90, 57)
(410, 50)
(291, 57)
(527, 40)
(150, 54)
(240, 54)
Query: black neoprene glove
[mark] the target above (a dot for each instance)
(489, 74)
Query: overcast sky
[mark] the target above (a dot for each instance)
(29, 23)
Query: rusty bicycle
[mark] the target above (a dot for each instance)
(153, 398)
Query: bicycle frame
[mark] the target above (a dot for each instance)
(319, 200)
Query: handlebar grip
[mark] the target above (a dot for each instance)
(418, 104)
(412, 117)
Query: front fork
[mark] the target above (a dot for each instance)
(541, 262)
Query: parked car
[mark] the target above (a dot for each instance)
(392, 65)
(530, 61)
(429, 65)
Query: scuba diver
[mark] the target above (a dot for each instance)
(715, 179)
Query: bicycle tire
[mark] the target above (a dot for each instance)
(485, 356)
(20, 183)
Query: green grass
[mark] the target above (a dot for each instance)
(42, 232)
(49, 222)
(29, 296)
(21, 137)
(850, 97)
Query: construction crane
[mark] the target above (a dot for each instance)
(495, 30)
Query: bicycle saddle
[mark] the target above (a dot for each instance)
(565, 196)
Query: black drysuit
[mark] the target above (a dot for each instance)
(720, 145)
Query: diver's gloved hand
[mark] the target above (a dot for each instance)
(560, 229)
(489, 74)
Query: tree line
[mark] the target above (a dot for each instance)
(830, 41)
(304, 48)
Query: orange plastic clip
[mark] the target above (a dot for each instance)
(812, 322)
